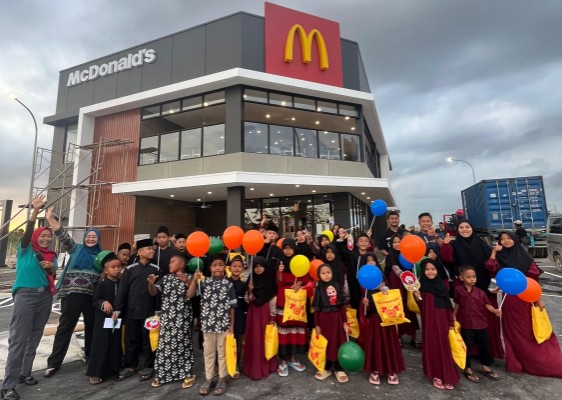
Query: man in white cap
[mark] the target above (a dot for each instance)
(521, 233)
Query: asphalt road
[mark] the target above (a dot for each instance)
(71, 383)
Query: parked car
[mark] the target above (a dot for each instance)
(554, 239)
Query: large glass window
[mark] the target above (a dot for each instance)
(278, 99)
(329, 145)
(149, 112)
(281, 140)
(148, 152)
(305, 103)
(327, 107)
(305, 143)
(258, 96)
(169, 146)
(349, 110)
(191, 144)
(255, 137)
(350, 147)
(70, 142)
(170, 108)
(214, 98)
(192, 103)
(213, 140)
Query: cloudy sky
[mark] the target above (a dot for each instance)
(476, 80)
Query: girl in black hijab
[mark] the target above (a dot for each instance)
(264, 286)
(334, 262)
(515, 256)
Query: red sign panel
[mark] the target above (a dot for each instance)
(302, 46)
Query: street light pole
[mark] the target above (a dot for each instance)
(451, 159)
(33, 158)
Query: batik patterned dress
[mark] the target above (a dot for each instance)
(174, 357)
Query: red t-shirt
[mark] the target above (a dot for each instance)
(472, 307)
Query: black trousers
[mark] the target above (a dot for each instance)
(138, 353)
(72, 306)
(480, 338)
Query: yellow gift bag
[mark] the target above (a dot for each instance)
(411, 303)
(271, 341)
(352, 322)
(541, 324)
(458, 348)
(317, 350)
(154, 335)
(390, 307)
(295, 306)
(231, 354)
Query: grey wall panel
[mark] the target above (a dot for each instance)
(253, 43)
(189, 54)
(233, 124)
(350, 65)
(159, 73)
(62, 95)
(363, 81)
(224, 44)
(105, 87)
(129, 81)
(80, 95)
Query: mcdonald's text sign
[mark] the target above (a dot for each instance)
(302, 46)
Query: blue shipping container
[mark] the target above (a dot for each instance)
(495, 203)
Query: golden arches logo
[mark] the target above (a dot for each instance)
(306, 44)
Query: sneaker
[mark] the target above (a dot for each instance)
(10, 394)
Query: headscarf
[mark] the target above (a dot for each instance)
(393, 257)
(48, 254)
(85, 256)
(265, 285)
(441, 270)
(287, 260)
(434, 286)
(336, 265)
(514, 257)
(327, 295)
(472, 251)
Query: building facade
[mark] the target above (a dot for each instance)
(219, 125)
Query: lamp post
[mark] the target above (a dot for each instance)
(451, 159)
(33, 158)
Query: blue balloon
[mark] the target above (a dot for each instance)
(369, 276)
(378, 208)
(405, 263)
(511, 281)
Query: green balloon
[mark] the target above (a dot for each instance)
(216, 246)
(194, 264)
(418, 268)
(351, 357)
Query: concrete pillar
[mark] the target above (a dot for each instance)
(235, 203)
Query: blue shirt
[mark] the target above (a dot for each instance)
(29, 273)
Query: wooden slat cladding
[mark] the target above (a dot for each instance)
(119, 164)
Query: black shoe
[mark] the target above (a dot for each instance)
(10, 394)
(50, 372)
(28, 380)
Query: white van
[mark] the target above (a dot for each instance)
(554, 239)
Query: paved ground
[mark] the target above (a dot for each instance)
(71, 383)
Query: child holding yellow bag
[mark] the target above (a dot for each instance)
(437, 319)
(330, 321)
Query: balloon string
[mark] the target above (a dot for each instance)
(251, 268)
(372, 222)
(347, 335)
(198, 280)
(364, 306)
(504, 297)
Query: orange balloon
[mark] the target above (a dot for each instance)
(280, 243)
(252, 242)
(412, 248)
(198, 244)
(232, 237)
(532, 293)
(313, 271)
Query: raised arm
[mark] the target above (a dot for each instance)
(36, 204)
(66, 241)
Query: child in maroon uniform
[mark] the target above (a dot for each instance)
(437, 319)
(471, 306)
(330, 321)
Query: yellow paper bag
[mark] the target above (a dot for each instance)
(231, 354)
(458, 348)
(154, 335)
(390, 307)
(317, 350)
(541, 324)
(271, 341)
(458, 327)
(352, 322)
(295, 306)
(411, 303)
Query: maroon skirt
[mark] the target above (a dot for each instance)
(411, 327)
(382, 349)
(331, 326)
(255, 365)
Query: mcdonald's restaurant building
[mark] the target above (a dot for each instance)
(217, 125)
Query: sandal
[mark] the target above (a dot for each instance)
(155, 383)
(95, 380)
(50, 372)
(124, 374)
(188, 382)
(341, 377)
(449, 387)
(489, 374)
(374, 378)
(322, 375)
(205, 387)
(297, 366)
(393, 379)
(437, 383)
(236, 375)
(283, 370)
(146, 374)
(471, 377)
(221, 388)
(28, 380)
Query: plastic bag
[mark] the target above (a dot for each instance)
(317, 350)
(411, 303)
(231, 354)
(352, 322)
(154, 334)
(390, 307)
(295, 306)
(458, 348)
(271, 341)
(541, 324)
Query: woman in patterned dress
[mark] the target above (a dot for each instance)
(174, 357)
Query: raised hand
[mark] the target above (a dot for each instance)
(38, 202)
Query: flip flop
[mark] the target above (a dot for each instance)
(146, 374)
(124, 374)
(297, 366)
(220, 389)
(322, 375)
(374, 378)
(489, 374)
(95, 380)
(188, 382)
(393, 379)
(283, 370)
(205, 388)
(341, 377)
(438, 384)
(471, 377)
